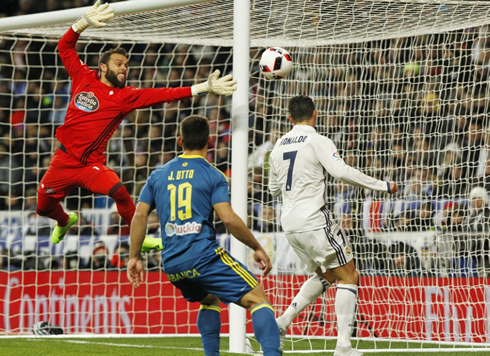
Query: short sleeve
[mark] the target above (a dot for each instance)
(147, 195)
(220, 191)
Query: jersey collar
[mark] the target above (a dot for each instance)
(192, 156)
(303, 128)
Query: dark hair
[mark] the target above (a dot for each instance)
(104, 58)
(194, 132)
(301, 108)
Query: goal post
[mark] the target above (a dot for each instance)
(401, 88)
(239, 151)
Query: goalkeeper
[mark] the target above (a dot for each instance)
(100, 101)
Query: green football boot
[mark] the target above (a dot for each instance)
(151, 243)
(59, 232)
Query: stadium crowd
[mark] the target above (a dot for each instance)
(414, 110)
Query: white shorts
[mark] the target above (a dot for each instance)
(326, 248)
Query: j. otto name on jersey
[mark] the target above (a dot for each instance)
(179, 230)
(183, 174)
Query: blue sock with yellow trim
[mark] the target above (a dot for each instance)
(265, 328)
(209, 326)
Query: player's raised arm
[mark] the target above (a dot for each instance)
(96, 16)
(237, 228)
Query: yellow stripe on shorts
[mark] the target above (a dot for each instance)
(227, 260)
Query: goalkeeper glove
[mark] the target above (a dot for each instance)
(95, 16)
(222, 86)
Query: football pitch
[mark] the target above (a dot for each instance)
(187, 346)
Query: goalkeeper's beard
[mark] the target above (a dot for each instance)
(111, 76)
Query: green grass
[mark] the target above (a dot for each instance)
(180, 346)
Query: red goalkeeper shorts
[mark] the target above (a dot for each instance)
(66, 173)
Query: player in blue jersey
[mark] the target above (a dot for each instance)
(186, 192)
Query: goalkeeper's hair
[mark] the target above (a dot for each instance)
(194, 132)
(106, 56)
(301, 108)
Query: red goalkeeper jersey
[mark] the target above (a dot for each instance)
(95, 109)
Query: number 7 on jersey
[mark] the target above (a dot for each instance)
(291, 156)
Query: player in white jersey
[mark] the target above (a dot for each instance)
(299, 166)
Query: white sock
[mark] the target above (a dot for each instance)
(309, 291)
(345, 307)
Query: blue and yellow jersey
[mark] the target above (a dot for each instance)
(184, 192)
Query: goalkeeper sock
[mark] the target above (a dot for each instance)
(50, 207)
(124, 203)
(345, 307)
(209, 326)
(108, 183)
(265, 328)
(309, 291)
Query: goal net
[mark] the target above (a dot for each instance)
(401, 87)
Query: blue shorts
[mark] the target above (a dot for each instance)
(217, 273)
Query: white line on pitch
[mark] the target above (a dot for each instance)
(128, 345)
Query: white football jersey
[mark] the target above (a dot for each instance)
(299, 164)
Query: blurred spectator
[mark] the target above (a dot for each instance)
(478, 221)
(120, 257)
(471, 147)
(99, 260)
(223, 158)
(454, 183)
(405, 221)
(6, 259)
(266, 219)
(424, 219)
(420, 184)
(404, 260)
(154, 261)
(116, 225)
(37, 226)
(449, 155)
(57, 114)
(30, 200)
(83, 227)
(9, 172)
(70, 261)
(464, 262)
(260, 156)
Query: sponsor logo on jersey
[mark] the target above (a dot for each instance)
(336, 155)
(179, 230)
(86, 101)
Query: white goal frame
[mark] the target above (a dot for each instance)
(240, 110)
(245, 46)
